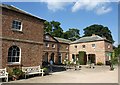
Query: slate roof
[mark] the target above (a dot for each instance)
(63, 40)
(89, 39)
(13, 8)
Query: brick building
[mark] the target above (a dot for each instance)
(25, 44)
(55, 49)
(96, 48)
(22, 38)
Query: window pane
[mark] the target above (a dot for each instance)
(13, 22)
(9, 59)
(13, 59)
(18, 53)
(17, 59)
(16, 25)
(14, 53)
(19, 23)
(9, 53)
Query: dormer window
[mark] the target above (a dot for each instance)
(17, 25)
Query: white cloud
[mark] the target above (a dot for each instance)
(55, 5)
(116, 44)
(103, 10)
(98, 6)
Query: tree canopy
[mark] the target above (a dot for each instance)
(72, 34)
(117, 51)
(98, 30)
(55, 30)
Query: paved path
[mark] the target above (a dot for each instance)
(100, 74)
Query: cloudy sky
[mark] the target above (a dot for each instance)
(78, 14)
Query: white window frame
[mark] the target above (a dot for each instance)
(94, 46)
(19, 58)
(21, 26)
(47, 45)
(53, 45)
(109, 46)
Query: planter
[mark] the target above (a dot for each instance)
(46, 71)
(15, 77)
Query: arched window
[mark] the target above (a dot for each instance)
(14, 54)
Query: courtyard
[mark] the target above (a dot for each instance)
(100, 74)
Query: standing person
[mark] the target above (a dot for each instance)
(51, 65)
(111, 65)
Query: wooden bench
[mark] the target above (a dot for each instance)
(4, 74)
(32, 70)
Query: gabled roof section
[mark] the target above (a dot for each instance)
(54, 39)
(13, 8)
(61, 40)
(89, 39)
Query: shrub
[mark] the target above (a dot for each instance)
(99, 63)
(46, 71)
(15, 73)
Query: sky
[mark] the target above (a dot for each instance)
(79, 14)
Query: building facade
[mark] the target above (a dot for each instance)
(95, 47)
(22, 38)
(55, 49)
(23, 42)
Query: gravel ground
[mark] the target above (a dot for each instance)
(101, 74)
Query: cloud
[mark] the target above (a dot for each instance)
(103, 10)
(98, 6)
(55, 5)
(116, 44)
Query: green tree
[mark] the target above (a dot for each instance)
(57, 31)
(98, 30)
(72, 34)
(116, 51)
(48, 27)
(53, 28)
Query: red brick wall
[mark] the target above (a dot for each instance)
(32, 30)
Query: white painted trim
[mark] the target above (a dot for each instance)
(21, 26)
(19, 58)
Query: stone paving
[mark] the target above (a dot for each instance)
(101, 74)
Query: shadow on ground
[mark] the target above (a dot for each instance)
(58, 68)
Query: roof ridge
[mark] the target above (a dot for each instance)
(62, 38)
(14, 8)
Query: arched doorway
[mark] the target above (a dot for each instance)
(91, 58)
(82, 57)
(52, 57)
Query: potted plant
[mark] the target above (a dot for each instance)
(46, 71)
(16, 73)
